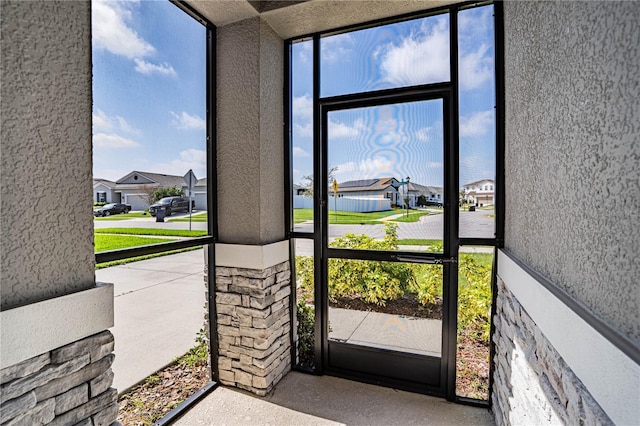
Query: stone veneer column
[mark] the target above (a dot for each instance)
(253, 289)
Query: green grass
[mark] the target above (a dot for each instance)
(345, 218)
(194, 218)
(124, 216)
(418, 242)
(152, 231)
(413, 216)
(148, 256)
(104, 242)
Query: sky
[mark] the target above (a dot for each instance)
(403, 139)
(149, 70)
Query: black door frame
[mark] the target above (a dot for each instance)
(433, 368)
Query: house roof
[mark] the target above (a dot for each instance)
(158, 179)
(478, 182)
(377, 184)
(425, 189)
(105, 182)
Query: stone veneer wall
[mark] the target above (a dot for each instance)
(68, 385)
(254, 325)
(532, 383)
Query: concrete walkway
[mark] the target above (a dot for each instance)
(385, 331)
(303, 399)
(159, 308)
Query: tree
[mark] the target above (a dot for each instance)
(167, 192)
(308, 182)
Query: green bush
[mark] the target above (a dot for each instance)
(306, 336)
(474, 297)
(99, 203)
(167, 192)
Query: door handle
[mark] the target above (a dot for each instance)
(430, 261)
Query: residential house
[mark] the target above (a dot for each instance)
(480, 192)
(136, 189)
(389, 188)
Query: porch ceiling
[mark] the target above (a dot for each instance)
(295, 18)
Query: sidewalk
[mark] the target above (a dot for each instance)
(159, 308)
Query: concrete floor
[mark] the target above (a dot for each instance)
(303, 399)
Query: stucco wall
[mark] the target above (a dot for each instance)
(46, 183)
(249, 138)
(572, 72)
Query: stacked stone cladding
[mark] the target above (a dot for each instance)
(253, 323)
(532, 382)
(68, 385)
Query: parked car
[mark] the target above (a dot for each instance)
(112, 208)
(170, 205)
(430, 202)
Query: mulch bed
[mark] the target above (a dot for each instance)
(150, 401)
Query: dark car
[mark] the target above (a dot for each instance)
(112, 208)
(170, 205)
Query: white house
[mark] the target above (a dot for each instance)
(480, 192)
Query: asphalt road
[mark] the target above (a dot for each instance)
(476, 224)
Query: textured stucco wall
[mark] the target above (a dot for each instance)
(46, 187)
(249, 138)
(572, 72)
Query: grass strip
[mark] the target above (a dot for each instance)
(152, 231)
(412, 217)
(115, 242)
(194, 218)
(340, 217)
(147, 256)
(125, 216)
(418, 242)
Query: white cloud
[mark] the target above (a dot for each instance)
(147, 68)
(101, 120)
(342, 130)
(194, 159)
(186, 121)
(111, 30)
(422, 57)
(476, 68)
(476, 124)
(111, 140)
(367, 168)
(337, 48)
(299, 152)
(424, 134)
(303, 107)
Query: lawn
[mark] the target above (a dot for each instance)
(152, 231)
(194, 218)
(125, 216)
(355, 218)
(418, 242)
(413, 216)
(106, 242)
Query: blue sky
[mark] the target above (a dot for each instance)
(149, 95)
(399, 140)
(148, 89)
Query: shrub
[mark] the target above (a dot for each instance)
(306, 336)
(167, 192)
(474, 297)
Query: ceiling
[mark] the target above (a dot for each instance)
(301, 17)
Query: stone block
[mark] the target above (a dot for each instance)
(17, 406)
(227, 377)
(247, 341)
(245, 321)
(42, 414)
(282, 293)
(86, 422)
(228, 299)
(62, 384)
(228, 331)
(24, 368)
(240, 281)
(101, 383)
(101, 351)
(95, 405)
(262, 302)
(81, 347)
(224, 319)
(72, 398)
(246, 301)
(224, 363)
(254, 313)
(107, 416)
(243, 378)
(52, 371)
